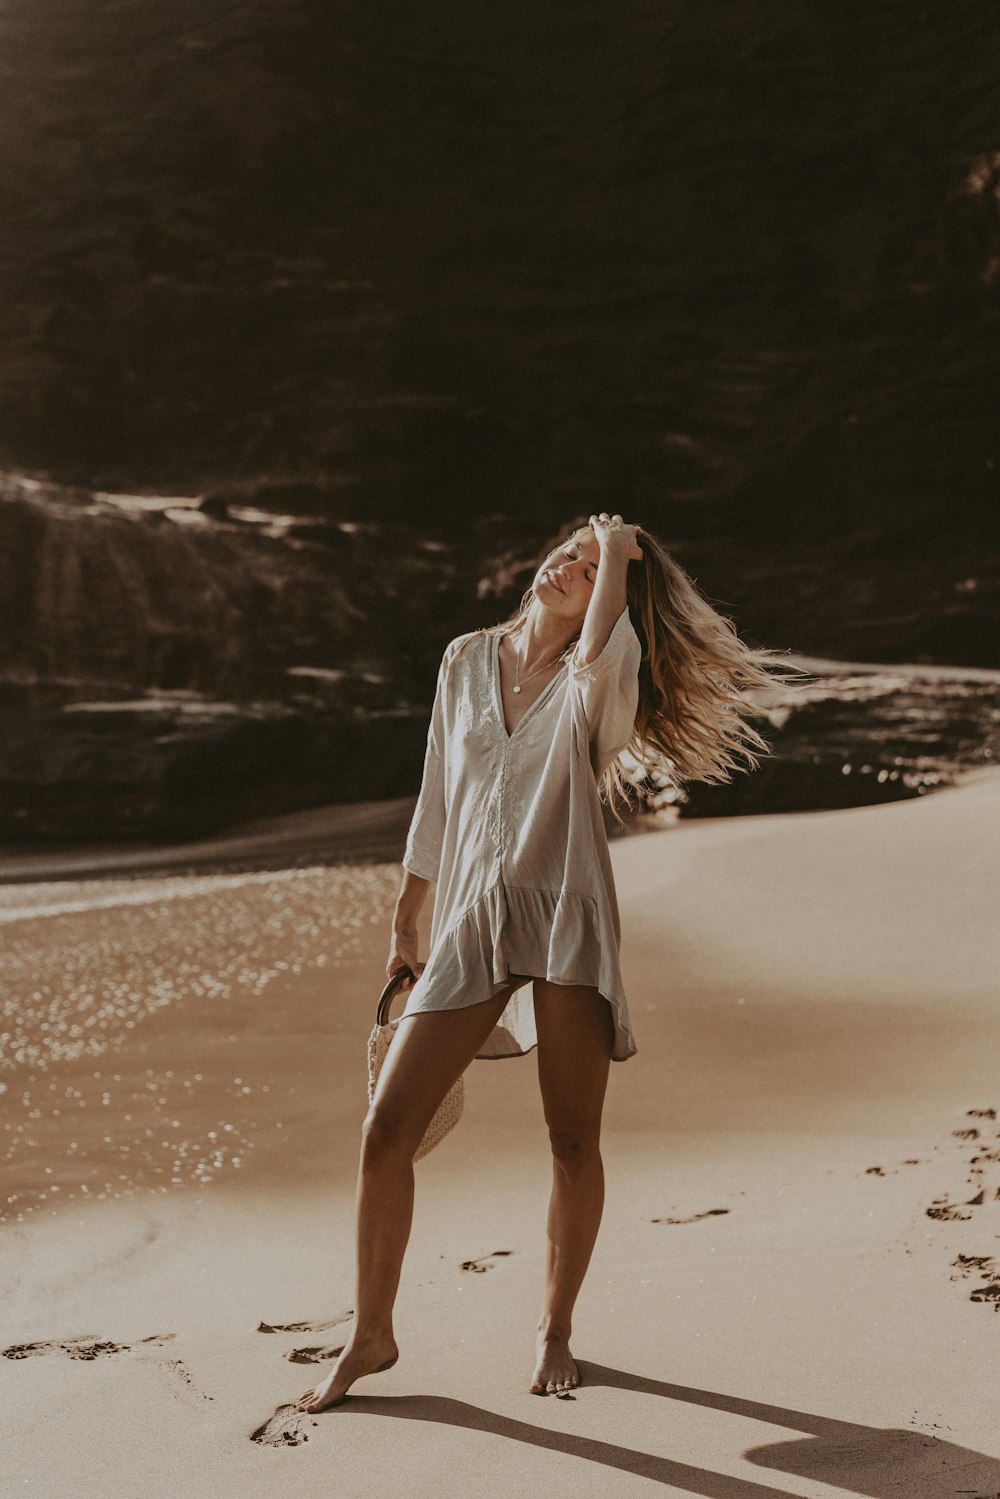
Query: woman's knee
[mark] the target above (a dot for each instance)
(386, 1137)
(574, 1149)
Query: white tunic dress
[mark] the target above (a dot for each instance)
(509, 826)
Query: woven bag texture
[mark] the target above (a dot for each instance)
(447, 1115)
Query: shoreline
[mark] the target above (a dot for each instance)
(339, 833)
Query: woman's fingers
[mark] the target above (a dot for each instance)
(396, 962)
(606, 527)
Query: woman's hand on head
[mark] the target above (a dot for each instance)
(403, 954)
(614, 534)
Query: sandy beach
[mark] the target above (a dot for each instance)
(795, 1287)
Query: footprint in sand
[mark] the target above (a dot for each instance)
(985, 1266)
(947, 1212)
(477, 1267)
(306, 1326)
(984, 1156)
(314, 1355)
(982, 1267)
(82, 1348)
(286, 1428)
(694, 1218)
(179, 1381)
(173, 1370)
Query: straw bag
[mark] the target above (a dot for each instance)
(450, 1111)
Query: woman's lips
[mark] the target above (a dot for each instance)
(555, 585)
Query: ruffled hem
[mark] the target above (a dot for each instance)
(561, 936)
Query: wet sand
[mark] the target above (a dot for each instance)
(361, 832)
(795, 1286)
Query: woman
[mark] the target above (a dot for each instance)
(612, 648)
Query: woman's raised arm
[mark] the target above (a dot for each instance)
(618, 547)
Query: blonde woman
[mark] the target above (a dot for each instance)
(612, 648)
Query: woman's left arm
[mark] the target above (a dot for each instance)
(618, 547)
(604, 673)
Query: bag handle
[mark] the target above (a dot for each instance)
(390, 991)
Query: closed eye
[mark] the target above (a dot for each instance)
(587, 572)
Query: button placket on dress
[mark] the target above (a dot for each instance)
(494, 806)
(502, 744)
(504, 828)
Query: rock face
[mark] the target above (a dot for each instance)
(175, 667)
(380, 302)
(732, 267)
(852, 736)
(170, 669)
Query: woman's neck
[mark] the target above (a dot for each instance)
(543, 636)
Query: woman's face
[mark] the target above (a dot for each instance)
(565, 580)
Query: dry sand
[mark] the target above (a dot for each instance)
(793, 1292)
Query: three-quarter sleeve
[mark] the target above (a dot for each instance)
(607, 690)
(426, 836)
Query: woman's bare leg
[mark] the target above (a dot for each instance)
(428, 1054)
(575, 1037)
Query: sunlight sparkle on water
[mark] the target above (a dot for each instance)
(87, 965)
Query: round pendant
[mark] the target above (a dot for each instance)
(517, 689)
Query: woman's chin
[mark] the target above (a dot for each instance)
(552, 597)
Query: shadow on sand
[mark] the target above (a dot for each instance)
(870, 1460)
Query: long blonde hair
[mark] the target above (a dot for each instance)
(692, 721)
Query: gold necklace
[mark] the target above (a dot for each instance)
(519, 682)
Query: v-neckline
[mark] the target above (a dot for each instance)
(508, 734)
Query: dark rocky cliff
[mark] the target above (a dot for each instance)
(176, 666)
(173, 666)
(736, 260)
(396, 292)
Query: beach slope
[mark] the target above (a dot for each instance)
(795, 1284)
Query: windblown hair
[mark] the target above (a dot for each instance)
(693, 717)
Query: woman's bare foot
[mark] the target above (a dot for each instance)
(556, 1372)
(357, 1360)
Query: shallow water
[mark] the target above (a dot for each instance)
(99, 1101)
